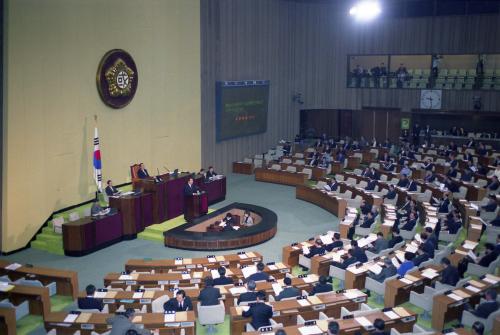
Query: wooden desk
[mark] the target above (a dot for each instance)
(335, 205)
(280, 177)
(474, 230)
(353, 162)
(66, 280)
(317, 173)
(7, 321)
(286, 311)
(337, 167)
(398, 292)
(474, 193)
(243, 168)
(136, 212)
(445, 309)
(163, 265)
(37, 297)
(97, 322)
(403, 324)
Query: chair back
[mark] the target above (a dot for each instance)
(157, 304)
(211, 315)
(133, 171)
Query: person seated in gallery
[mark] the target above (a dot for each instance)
(389, 166)
(336, 243)
(110, 190)
(358, 252)
(260, 275)
(190, 188)
(452, 224)
(481, 150)
(211, 173)
(428, 165)
(228, 222)
(365, 207)
(407, 265)
(490, 255)
(368, 220)
(380, 244)
(491, 206)
(142, 173)
(288, 290)
(203, 175)
(452, 173)
(89, 302)
(429, 177)
(316, 249)
(391, 194)
(179, 303)
(331, 185)
(410, 224)
(371, 185)
(222, 280)
(396, 238)
(484, 309)
(247, 219)
(250, 295)
(412, 185)
(420, 256)
(348, 260)
(403, 181)
(493, 184)
(322, 286)
(388, 270)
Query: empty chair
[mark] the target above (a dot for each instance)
(276, 167)
(364, 231)
(320, 185)
(308, 172)
(28, 282)
(445, 252)
(425, 197)
(364, 309)
(57, 224)
(350, 181)
(391, 201)
(374, 165)
(157, 304)
(304, 261)
(491, 233)
(378, 287)
(211, 316)
(416, 330)
(22, 309)
(461, 193)
(358, 172)
(300, 162)
(87, 210)
(298, 155)
(257, 163)
(488, 216)
(444, 287)
(356, 202)
(362, 184)
(287, 161)
(291, 168)
(425, 300)
(383, 177)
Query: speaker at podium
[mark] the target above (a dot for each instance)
(195, 205)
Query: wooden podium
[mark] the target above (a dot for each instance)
(195, 206)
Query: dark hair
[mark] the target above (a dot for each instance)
(333, 327)
(260, 266)
(423, 236)
(380, 234)
(131, 332)
(409, 256)
(351, 252)
(109, 180)
(318, 241)
(337, 236)
(379, 324)
(322, 279)
(129, 312)
(181, 292)
(489, 246)
(222, 271)
(354, 243)
(445, 261)
(492, 293)
(280, 332)
(90, 289)
(395, 230)
(287, 281)
(428, 230)
(251, 285)
(261, 295)
(209, 281)
(478, 327)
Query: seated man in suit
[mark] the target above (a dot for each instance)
(260, 312)
(379, 244)
(421, 256)
(490, 255)
(444, 204)
(467, 175)
(431, 237)
(483, 310)
(412, 186)
(493, 184)
(427, 245)
(450, 275)
(211, 173)
(122, 322)
(190, 188)
(228, 222)
(403, 182)
(407, 265)
(260, 274)
(453, 224)
(390, 166)
(365, 207)
(388, 270)
(89, 302)
(142, 173)
(222, 280)
(250, 295)
(452, 173)
(336, 242)
(372, 184)
(391, 194)
(349, 260)
(379, 326)
(316, 249)
(428, 166)
(412, 221)
(481, 151)
(111, 190)
(288, 291)
(368, 221)
(358, 252)
(331, 185)
(429, 177)
(210, 295)
(322, 286)
(179, 303)
(396, 238)
(491, 206)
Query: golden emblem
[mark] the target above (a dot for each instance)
(120, 79)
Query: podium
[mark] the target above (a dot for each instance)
(195, 206)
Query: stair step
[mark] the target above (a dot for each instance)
(56, 239)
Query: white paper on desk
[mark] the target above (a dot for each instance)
(215, 274)
(237, 290)
(310, 278)
(295, 248)
(472, 288)
(474, 206)
(125, 277)
(5, 287)
(310, 330)
(222, 224)
(406, 281)
(363, 242)
(243, 256)
(212, 260)
(469, 244)
(472, 255)
(411, 248)
(455, 296)
(391, 315)
(137, 295)
(305, 250)
(336, 257)
(237, 228)
(248, 271)
(428, 273)
(304, 302)
(364, 322)
(353, 293)
(400, 256)
(272, 267)
(178, 262)
(277, 288)
(13, 266)
(375, 268)
(71, 317)
(169, 317)
(326, 239)
(395, 262)
(489, 280)
(100, 294)
(186, 276)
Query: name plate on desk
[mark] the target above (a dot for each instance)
(195, 281)
(276, 313)
(108, 301)
(162, 282)
(87, 326)
(255, 259)
(224, 263)
(319, 307)
(130, 282)
(145, 301)
(408, 319)
(191, 266)
(187, 324)
(284, 270)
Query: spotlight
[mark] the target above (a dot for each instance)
(365, 10)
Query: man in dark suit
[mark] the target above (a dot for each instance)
(421, 256)
(450, 275)
(288, 291)
(190, 188)
(142, 173)
(211, 173)
(358, 252)
(403, 182)
(337, 243)
(431, 237)
(89, 302)
(427, 245)
(365, 207)
(180, 303)
(396, 238)
(429, 177)
(322, 286)
(210, 295)
(349, 260)
(371, 185)
(412, 221)
(260, 312)
(412, 186)
(388, 270)
(389, 166)
(379, 244)
(368, 220)
(428, 166)
(121, 323)
(452, 173)
(491, 206)
(379, 326)
(490, 255)
(111, 190)
(316, 249)
(250, 295)
(260, 274)
(222, 280)
(484, 309)
(444, 204)
(391, 194)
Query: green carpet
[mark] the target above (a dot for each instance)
(222, 329)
